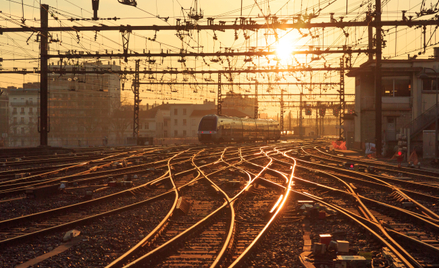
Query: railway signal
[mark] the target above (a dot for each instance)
(322, 111)
(335, 111)
(308, 110)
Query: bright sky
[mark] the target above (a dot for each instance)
(21, 50)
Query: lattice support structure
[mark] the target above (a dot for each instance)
(342, 133)
(125, 42)
(281, 110)
(256, 112)
(300, 117)
(219, 107)
(136, 86)
(43, 126)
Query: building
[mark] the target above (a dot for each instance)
(108, 82)
(81, 104)
(23, 117)
(167, 121)
(236, 101)
(4, 117)
(408, 101)
(172, 120)
(80, 107)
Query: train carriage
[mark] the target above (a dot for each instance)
(214, 128)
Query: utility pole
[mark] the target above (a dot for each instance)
(289, 121)
(281, 110)
(369, 35)
(378, 91)
(219, 109)
(317, 121)
(342, 134)
(300, 117)
(137, 101)
(43, 127)
(256, 111)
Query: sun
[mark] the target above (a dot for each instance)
(284, 49)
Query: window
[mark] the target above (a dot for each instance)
(184, 122)
(396, 87)
(147, 125)
(175, 133)
(175, 111)
(165, 133)
(14, 120)
(184, 111)
(175, 122)
(30, 120)
(207, 124)
(165, 123)
(22, 130)
(31, 111)
(14, 110)
(22, 120)
(22, 110)
(429, 84)
(184, 133)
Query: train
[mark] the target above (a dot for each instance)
(215, 128)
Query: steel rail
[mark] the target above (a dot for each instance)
(432, 175)
(390, 186)
(151, 236)
(7, 242)
(376, 223)
(424, 218)
(242, 258)
(145, 258)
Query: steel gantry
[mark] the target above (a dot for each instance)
(43, 119)
(256, 108)
(372, 20)
(219, 106)
(136, 86)
(342, 133)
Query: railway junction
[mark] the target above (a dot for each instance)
(294, 203)
(218, 137)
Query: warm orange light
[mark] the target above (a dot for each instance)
(284, 49)
(277, 203)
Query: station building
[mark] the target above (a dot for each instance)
(408, 102)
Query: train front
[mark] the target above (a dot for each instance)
(207, 130)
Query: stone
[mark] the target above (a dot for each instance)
(70, 234)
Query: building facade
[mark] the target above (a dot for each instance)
(80, 107)
(407, 100)
(23, 117)
(4, 117)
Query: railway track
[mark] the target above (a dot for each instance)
(223, 206)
